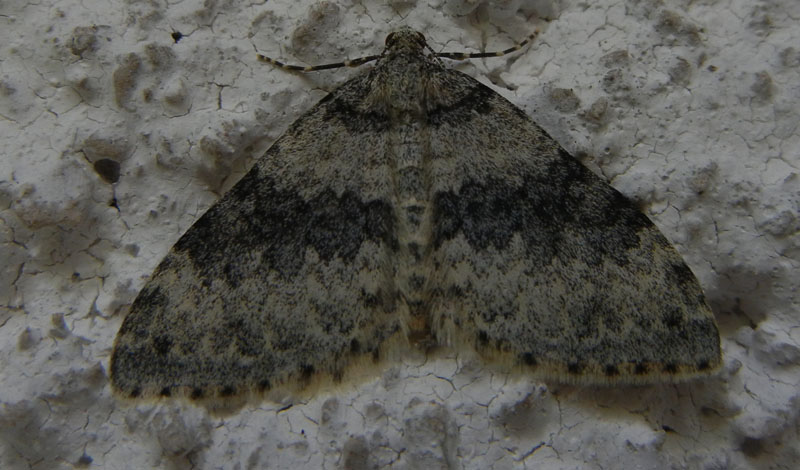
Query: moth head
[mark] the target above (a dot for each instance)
(405, 38)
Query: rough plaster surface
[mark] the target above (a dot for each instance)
(117, 133)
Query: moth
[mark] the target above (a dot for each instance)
(414, 207)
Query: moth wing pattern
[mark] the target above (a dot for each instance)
(414, 206)
(286, 276)
(544, 264)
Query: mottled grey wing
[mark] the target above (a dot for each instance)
(543, 264)
(287, 275)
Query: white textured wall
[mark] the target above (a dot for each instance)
(689, 107)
